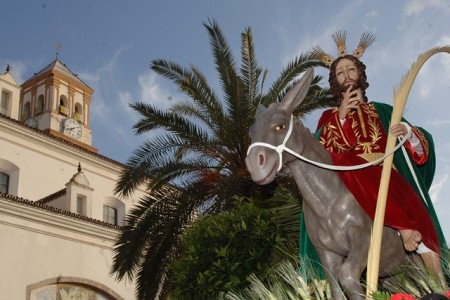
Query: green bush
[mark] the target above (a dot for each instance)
(221, 252)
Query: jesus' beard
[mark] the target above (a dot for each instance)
(354, 84)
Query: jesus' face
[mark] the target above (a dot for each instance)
(347, 74)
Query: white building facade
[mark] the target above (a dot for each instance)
(59, 215)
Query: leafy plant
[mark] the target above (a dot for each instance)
(220, 252)
(414, 279)
(285, 283)
(411, 282)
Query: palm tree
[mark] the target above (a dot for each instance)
(197, 164)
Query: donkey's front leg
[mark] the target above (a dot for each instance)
(332, 263)
(356, 261)
(349, 278)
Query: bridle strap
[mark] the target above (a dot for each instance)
(282, 147)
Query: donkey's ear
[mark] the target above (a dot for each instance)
(259, 110)
(298, 92)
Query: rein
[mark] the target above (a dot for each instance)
(282, 147)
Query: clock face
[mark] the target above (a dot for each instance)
(72, 128)
(31, 122)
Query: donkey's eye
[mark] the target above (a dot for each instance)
(280, 127)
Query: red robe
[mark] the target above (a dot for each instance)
(360, 139)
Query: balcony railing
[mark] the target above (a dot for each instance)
(78, 117)
(63, 110)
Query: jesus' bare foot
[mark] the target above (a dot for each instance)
(411, 239)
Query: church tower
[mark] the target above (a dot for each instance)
(47, 208)
(55, 100)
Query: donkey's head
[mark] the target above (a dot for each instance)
(273, 126)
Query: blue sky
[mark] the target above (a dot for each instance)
(111, 43)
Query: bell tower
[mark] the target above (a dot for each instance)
(55, 100)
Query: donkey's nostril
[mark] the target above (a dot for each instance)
(261, 159)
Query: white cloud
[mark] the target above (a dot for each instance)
(445, 40)
(92, 78)
(439, 122)
(372, 14)
(125, 98)
(424, 91)
(102, 80)
(99, 109)
(152, 92)
(437, 187)
(418, 6)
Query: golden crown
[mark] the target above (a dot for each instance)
(339, 38)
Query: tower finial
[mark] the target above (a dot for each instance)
(8, 68)
(79, 167)
(58, 48)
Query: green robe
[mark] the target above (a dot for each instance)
(309, 260)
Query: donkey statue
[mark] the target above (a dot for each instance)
(338, 227)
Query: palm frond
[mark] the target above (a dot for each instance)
(190, 81)
(212, 105)
(199, 115)
(140, 220)
(155, 149)
(196, 161)
(153, 118)
(299, 65)
(249, 68)
(148, 156)
(224, 61)
(286, 283)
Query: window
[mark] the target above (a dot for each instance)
(40, 105)
(81, 205)
(4, 182)
(77, 114)
(63, 106)
(113, 211)
(4, 102)
(109, 215)
(27, 110)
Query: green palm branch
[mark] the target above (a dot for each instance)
(198, 164)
